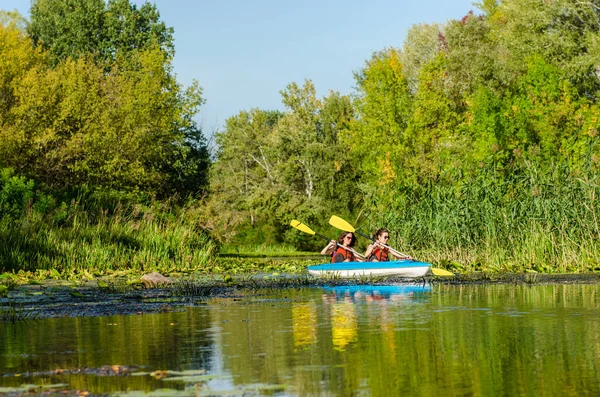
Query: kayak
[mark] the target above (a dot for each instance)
(401, 268)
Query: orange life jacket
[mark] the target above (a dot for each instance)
(341, 255)
(380, 254)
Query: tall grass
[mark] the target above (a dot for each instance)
(542, 220)
(264, 249)
(135, 237)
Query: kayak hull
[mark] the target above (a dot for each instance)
(402, 268)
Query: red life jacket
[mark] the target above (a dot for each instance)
(341, 255)
(380, 254)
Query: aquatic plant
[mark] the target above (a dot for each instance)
(92, 240)
(14, 313)
(542, 218)
(191, 288)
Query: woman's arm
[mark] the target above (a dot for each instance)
(395, 255)
(369, 250)
(329, 248)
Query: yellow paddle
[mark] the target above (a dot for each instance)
(341, 224)
(303, 228)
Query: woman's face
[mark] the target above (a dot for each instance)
(383, 237)
(348, 239)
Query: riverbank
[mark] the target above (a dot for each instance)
(104, 297)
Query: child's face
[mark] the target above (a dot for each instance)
(383, 237)
(348, 239)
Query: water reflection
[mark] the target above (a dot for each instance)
(378, 292)
(304, 322)
(343, 301)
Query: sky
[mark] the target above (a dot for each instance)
(243, 52)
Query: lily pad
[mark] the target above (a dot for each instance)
(195, 378)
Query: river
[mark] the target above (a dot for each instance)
(422, 340)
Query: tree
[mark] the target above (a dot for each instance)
(72, 29)
(74, 125)
(108, 113)
(274, 166)
(68, 28)
(13, 18)
(434, 141)
(316, 162)
(128, 28)
(243, 179)
(383, 107)
(18, 57)
(422, 45)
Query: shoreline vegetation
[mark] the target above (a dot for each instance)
(476, 144)
(122, 293)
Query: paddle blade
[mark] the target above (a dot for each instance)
(441, 272)
(301, 226)
(341, 224)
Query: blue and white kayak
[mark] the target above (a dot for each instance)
(401, 268)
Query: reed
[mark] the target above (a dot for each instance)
(263, 250)
(13, 313)
(540, 220)
(126, 237)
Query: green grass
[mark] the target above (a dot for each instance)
(263, 250)
(535, 220)
(142, 239)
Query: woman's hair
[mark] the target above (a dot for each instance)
(380, 232)
(344, 234)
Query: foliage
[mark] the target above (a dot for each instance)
(74, 125)
(476, 143)
(274, 166)
(383, 103)
(81, 235)
(15, 194)
(108, 32)
(421, 45)
(13, 18)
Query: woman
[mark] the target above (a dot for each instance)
(376, 252)
(338, 252)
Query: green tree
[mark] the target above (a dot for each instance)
(74, 28)
(317, 164)
(68, 28)
(243, 175)
(543, 119)
(421, 45)
(73, 125)
(129, 28)
(434, 136)
(383, 107)
(272, 166)
(13, 17)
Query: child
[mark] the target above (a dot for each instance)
(376, 252)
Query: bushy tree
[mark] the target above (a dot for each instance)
(75, 125)
(383, 106)
(72, 29)
(272, 166)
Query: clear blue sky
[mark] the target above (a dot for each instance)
(244, 52)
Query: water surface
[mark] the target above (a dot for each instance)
(380, 341)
